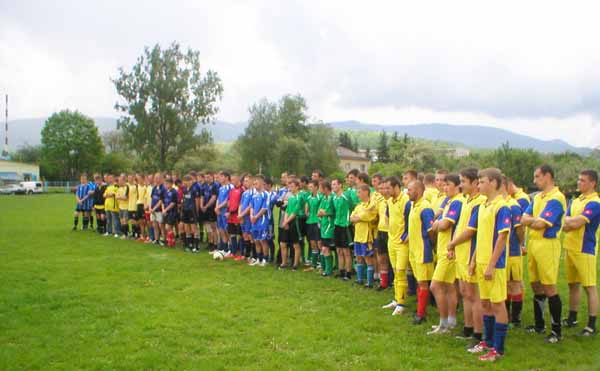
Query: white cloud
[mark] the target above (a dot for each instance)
(530, 67)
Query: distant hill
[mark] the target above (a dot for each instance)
(468, 135)
(28, 131)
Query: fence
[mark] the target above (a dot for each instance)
(59, 186)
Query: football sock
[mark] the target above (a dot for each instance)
(314, 256)
(500, 331)
(507, 302)
(489, 323)
(422, 301)
(477, 336)
(359, 272)
(467, 331)
(91, 221)
(517, 308)
(124, 229)
(75, 221)
(196, 242)
(572, 316)
(412, 284)
(555, 313)
(86, 221)
(186, 240)
(233, 244)
(539, 304)
(327, 263)
(401, 288)
(592, 322)
(451, 321)
(370, 273)
(383, 279)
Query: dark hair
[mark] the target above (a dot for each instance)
(314, 183)
(337, 180)
(377, 176)
(193, 173)
(326, 184)
(364, 187)
(412, 173)
(393, 180)
(442, 171)
(294, 181)
(304, 179)
(492, 174)
(178, 181)
(268, 181)
(453, 178)
(546, 169)
(187, 178)
(226, 175)
(470, 173)
(319, 172)
(592, 174)
(364, 177)
(352, 172)
(260, 177)
(429, 178)
(169, 180)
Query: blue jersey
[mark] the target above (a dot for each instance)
(210, 190)
(280, 196)
(259, 202)
(158, 194)
(271, 196)
(85, 190)
(224, 195)
(188, 202)
(171, 198)
(245, 201)
(198, 189)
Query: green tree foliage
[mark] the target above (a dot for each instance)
(279, 138)
(345, 140)
(165, 96)
(70, 145)
(383, 148)
(202, 157)
(28, 154)
(116, 163)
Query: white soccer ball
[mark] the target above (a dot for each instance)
(217, 255)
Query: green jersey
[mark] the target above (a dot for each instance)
(326, 222)
(313, 203)
(341, 205)
(302, 196)
(352, 197)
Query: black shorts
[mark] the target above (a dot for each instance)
(132, 214)
(302, 226)
(200, 216)
(328, 242)
(189, 216)
(100, 212)
(234, 228)
(171, 218)
(381, 242)
(313, 232)
(291, 235)
(210, 215)
(140, 212)
(341, 237)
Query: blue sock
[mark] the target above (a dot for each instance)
(499, 336)
(222, 246)
(233, 244)
(370, 272)
(260, 256)
(489, 324)
(412, 284)
(359, 272)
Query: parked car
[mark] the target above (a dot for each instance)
(12, 189)
(32, 187)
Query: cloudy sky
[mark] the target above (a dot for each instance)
(526, 66)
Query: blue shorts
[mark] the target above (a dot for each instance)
(222, 222)
(260, 234)
(83, 207)
(246, 226)
(362, 249)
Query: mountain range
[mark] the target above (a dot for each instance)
(27, 131)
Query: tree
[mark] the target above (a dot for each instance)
(344, 140)
(28, 154)
(257, 144)
(70, 145)
(165, 97)
(115, 141)
(383, 149)
(292, 155)
(322, 153)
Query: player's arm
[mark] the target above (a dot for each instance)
(466, 235)
(499, 249)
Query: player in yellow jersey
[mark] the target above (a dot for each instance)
(440, 183)
(581, 227)
(544, 218)
(431, 192)
(518, 194)
(362, 217)
(123, 205)
(132, 205)
(461, 248)
(408, 177)
(398, 207)
(444, 275)
(492, 222)
(420, 242)
(140, 210)
(111, 207)
(381, 240)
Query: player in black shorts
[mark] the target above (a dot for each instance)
(207, 205)
(188, 215)
(99, 204)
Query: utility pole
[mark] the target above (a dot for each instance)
(5, 150)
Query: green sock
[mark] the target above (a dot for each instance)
(328, 264)
(313, 258)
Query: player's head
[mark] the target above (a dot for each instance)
(351, 177)
(259, 182)
(247, 182)
(421, 177)
(169, 182)
(587, 181)
(393, 186)
(83, 178)
(187, 181)
(209, 177)
(415, 190)
(283, 179)
(225, 177)
(543, 177)
(293, 185)
(490, 181)
(313, 186)
(376, 180)
(140, 178)
(364, 192)
(452, 186)
(440, 179)
(130, 178)
(268, 183)
(409, 176)
(235, 180)
(429, 180)
(316, 175)
(122, 179)
(362, 178)
(383, 188)
(469, 180)
(303, 181)
(325, 186)
(98, 179)
(336, 185)
(109, 178)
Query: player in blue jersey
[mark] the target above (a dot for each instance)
(221, 208)
(259, 218)
(84, 195)
(248, 250)
(188, 213)
(207, 206)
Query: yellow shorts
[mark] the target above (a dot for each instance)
(445, 270)
(514, 268)
(581, 268)
(398, 256)
(493, 290)
(543, 260)
(422, 271)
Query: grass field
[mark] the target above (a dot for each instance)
(76, 300)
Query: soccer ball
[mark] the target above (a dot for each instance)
(217, 255)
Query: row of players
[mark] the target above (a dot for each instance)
(449, 231)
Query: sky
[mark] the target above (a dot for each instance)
(526, 66)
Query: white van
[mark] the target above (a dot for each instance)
(32, 187)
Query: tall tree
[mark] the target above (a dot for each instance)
(344, 140)
(322, 153)
(165, 97)
(70, 144)
(28, 154)
(257, 144)
(383, 148)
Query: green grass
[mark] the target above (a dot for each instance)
(75, 300)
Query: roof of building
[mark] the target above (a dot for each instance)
(348, 154)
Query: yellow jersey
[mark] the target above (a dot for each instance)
(133, 197)
(123, 191)
(110, 202)
(490, 220)
(398, 209)
(549, 207)
(584, 239)
(367, 212)
(420, 223)
(451, 213)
